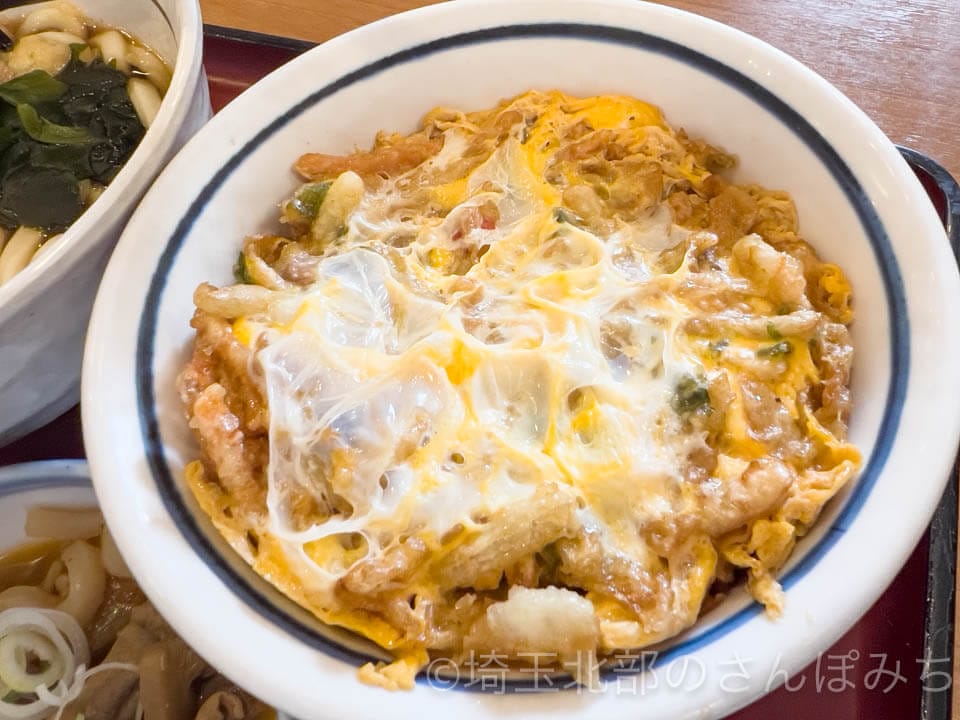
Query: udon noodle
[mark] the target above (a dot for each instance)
(78, 641)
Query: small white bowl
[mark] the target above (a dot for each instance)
(859, 204)
(59, 483)
(63, 483)
(44, 309)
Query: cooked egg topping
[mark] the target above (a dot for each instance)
(543, 348)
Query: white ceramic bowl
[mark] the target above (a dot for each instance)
(63, 483)
(859, 204)
(59, 483)
(44, 309)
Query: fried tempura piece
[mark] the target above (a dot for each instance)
(389, 157)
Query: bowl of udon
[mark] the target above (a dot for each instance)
(525, 358)
(78, 637)
(95, 96)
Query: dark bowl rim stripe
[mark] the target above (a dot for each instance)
(43, 475)
(789, 117)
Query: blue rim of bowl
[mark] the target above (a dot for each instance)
(815, 142)
(43, 474)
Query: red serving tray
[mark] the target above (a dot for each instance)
(875, 671)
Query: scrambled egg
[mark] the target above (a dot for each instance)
(539, 360)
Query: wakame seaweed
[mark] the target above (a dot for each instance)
(57, 131)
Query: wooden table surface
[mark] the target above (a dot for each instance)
(899, 60)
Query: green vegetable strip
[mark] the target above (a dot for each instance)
(37, 86)
(310, 197)
(562, 215)
(781, 348)
(240, 271)
(689, 396)
(42, 130)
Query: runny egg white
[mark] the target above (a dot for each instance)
(553, 363)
